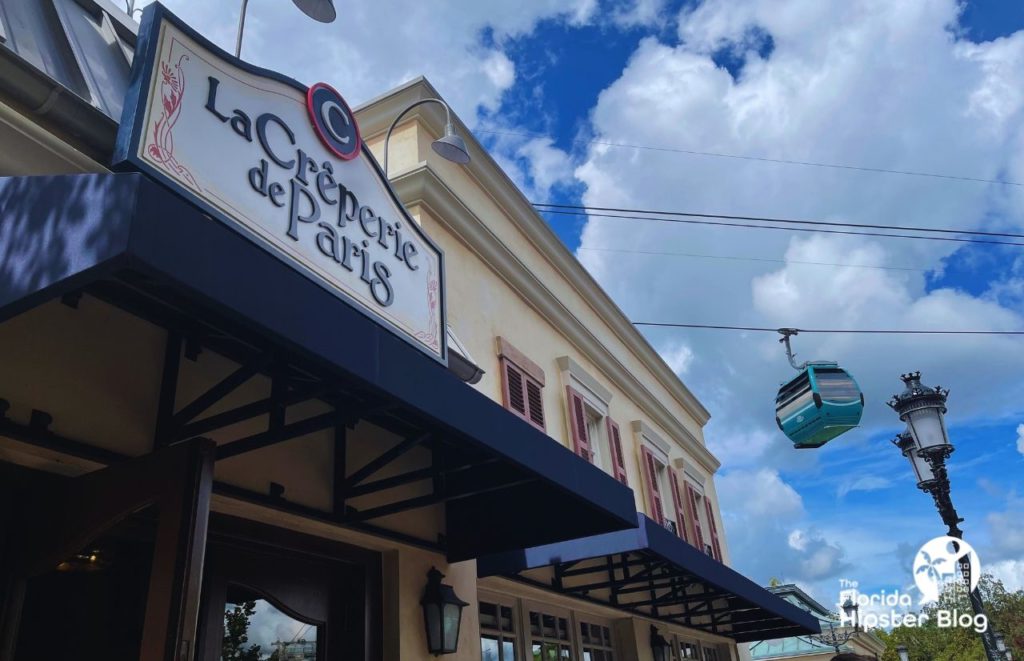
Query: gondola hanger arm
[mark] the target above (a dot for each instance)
(786, 334)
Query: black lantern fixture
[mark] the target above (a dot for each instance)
(660, 647)
(442, 614)
(902, 651)
(922, 467)
(923, 409)
(852, 610)
(926, 444)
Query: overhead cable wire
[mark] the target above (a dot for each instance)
(753, 259)
(764, 159)
(861, 331)
(788, 221)
(692, 221)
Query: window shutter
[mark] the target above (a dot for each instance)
(618, 459)
(677, 500)
(698, 536)
(653, 494)
(713, 529)
(515, 398)
(534, 402)
(522, 394)
(578, 424)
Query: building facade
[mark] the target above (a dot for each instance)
(211, 439)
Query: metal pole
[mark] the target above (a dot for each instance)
(241, 28)
(940, 493)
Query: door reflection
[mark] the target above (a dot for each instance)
(255, 630)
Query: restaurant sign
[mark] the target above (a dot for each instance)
(286, 166)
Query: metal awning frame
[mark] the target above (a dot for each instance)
(652, 573)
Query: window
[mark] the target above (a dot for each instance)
(596, 642)
(677, 503)
(595, 436)
(710, 654)
(522, 384)
(689, 650)
(497, 632)
(836, 386)
(549, 637)
(705, 530)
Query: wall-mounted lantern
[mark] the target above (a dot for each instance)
(442, 614)
(660, 647)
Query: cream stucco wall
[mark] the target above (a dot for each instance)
(483, 303)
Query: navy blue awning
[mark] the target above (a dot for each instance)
(651, 572)
(137, 245)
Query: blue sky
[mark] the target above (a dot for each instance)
(921, 85)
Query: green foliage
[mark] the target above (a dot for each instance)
(236, 634)
(929, 642)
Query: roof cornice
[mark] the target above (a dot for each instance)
(420, 185)
(374, 118)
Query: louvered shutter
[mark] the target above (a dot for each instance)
(691, 497)
(653, 494)
(578, 424)
(534, 402)
(677, 500)
(618, 459)
(713, 529)
(515, 397)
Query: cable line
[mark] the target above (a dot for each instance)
(790, 221)
(773, 227)
(764, 159)
(753, 259)
(862, 331)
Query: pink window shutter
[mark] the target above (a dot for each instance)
(713, 529)
(578, 424)
(618, 459)
(677, 500)
(653, 493)
(698, 538)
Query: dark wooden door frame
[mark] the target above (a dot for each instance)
(268, 559)
(57, 519)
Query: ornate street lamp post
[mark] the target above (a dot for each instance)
(852, 610)
(926, 445)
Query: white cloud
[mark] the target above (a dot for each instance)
(765, 513)
(875, 84)
(872, 83)
(373, 47)
(863, 483)
(1020, 439)
(678, 356)
(1010, 572)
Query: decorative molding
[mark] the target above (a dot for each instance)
(375, 116)
(584, 379)
(532, 369)
(652, 438)
(420, 185)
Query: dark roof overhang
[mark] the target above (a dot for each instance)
(649, 571)
(135, 244)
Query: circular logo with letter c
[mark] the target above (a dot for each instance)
(333, 121)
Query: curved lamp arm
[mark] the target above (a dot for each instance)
(387, 138)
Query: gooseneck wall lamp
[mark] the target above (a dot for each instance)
(450, 147)
(926, 445)
(442, 614)
(318, 10)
